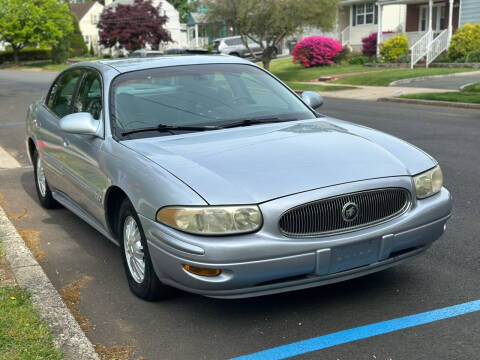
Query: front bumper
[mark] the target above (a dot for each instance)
(267, 262)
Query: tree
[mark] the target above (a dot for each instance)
(77, 44)
(33, 22)
(268, 22)
(184, 7)
(133, 26)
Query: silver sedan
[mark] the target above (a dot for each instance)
(215, 178)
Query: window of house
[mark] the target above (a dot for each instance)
(438, 18)
(86, 38)
(95, 19)
(365, 14)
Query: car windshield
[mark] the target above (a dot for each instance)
(199, 95)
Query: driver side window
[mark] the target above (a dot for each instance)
(89, 98)
(61, 93)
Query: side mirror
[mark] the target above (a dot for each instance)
(80, 123)
(313, 99)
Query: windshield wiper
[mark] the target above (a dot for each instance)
(255, 121)
(164, 127)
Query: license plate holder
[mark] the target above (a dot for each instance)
(354, 255)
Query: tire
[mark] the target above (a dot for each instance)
(147, 287)
(234, 54)
(43, 190)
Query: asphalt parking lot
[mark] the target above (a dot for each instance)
(195, 327)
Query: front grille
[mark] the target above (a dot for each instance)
(328, 216)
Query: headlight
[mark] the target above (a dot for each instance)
(212, 220)
(428, 183)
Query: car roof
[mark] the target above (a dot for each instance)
(133, 64)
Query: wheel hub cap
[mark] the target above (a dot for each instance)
(133, 249)
(42, 183)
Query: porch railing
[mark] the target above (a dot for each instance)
(345, 36)
(420, 49)
(438, 46)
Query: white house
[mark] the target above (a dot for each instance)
(177, 31)
(88, 15)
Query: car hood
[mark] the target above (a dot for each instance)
(257, 163)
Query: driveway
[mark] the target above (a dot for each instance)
(448, 82)
(195, 327)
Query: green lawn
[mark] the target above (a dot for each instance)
(385, 78)
(287, 71)
(23, 335)
(47, 65)
(315, 87)
(462, 96)
(472, 88)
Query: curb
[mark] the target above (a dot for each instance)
(430, 102)
(67, 335)
(408, 81)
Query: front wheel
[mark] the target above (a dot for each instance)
(141, 277)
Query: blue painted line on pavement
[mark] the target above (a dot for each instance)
(12, 123)
(362, 332)
(22, 167)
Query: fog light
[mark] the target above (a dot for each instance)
(202, 271)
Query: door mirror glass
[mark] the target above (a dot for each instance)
(81, 123)
(313, 99)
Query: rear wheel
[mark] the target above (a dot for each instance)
(43, 190)
(141, 277)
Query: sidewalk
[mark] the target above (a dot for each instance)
(373, 93)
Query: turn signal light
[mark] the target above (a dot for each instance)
(202, 271)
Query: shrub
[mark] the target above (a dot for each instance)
(475, 57)
(77, 44)
(359, 60)
(369, 45)
(107, 56)
(442, 59)
(316, 50)
(394, 48)
(342, 55)
(465, 42)
(61, 51)
(26, 54)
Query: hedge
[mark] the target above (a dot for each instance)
(27, 54)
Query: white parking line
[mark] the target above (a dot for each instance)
(7, 161)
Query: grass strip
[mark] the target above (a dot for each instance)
(385, 78)
(316, 87)
(463, 97)
(23, 335)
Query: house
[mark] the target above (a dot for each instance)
(201, 33)
(428, 24)
(88, 15)
(357, 19)
(177, 31)
(469, 12)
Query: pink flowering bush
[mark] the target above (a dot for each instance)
(369, 45)
(316, 51)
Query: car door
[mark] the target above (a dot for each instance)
(46, 127)
(84, 155)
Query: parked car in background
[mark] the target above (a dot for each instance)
(215, 178)
(179, 51)
(234, 46)
(145, 53)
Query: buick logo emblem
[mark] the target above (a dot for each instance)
(349, 211)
